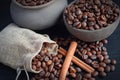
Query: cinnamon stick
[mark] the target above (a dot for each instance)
(67, 60)
(78, 62)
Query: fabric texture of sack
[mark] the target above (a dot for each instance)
(20, 45)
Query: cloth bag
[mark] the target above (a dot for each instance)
(18, 46)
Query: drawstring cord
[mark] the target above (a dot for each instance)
(19, 69)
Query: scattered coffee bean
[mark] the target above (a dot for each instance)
(103, 74)
(112, 67)
(101, 69)
(87, 75)
(113, 61)
(51, 67)
(102, 64)
(107, 68)
(95, 73)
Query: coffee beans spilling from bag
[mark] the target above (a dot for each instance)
(91, 14)
(32, 2)
(94, 54)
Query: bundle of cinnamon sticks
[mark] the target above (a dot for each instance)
(70, 57)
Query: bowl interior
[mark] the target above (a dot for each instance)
(33, 7)
(92, 35)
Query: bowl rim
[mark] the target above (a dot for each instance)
(118, 19)
(33, 7)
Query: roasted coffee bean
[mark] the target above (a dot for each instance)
(34, 67)
(51, 75)
(78, 69)
(42, 73)
(113, 62)
(102, 64)
(38, 64)
(84, 79)
(93, 57)
(60, 56)
(87, 75)
(106, 57)
(89, 53)
(47, 74)
(43, 64)
(112, 68)
(95, 65)
(73, 75)
(100, 57)
(95, 73)
(107, 61)
(101, 69)
(51, 67)
(89, 61)
(84, 56)
(107, 68)
(49, 62)
(104, 53)
(103, 74)
(79, 77)
(91, 79)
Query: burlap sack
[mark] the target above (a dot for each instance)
(18, 46)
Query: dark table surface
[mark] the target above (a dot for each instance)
(6, 73)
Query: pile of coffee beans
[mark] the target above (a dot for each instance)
(91, 14)
(33, 2)
(94, 54)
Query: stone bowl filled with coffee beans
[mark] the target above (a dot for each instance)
(91, 20)
(36, 14)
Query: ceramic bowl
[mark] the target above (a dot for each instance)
(37, 17)
(92, 35)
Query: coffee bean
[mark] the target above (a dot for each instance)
(76, 24)
(79, 77)
(49, 62)
(113, 62)
(100, 57)
(87, 75)
(89, 53)
(34, 67)
(84, 79)
(84, 56)
(107, 61)
(38, 64)
(93, 57)
(101, 69)
(106, 57)
(89, 61)
(51, 67)
(73, 75)
(107, 68)
(103, 74)
(112, 68)
(95, 73)
(91, 79)
(43, 64)
(78, 69)
(42, 73)
(102, 64)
